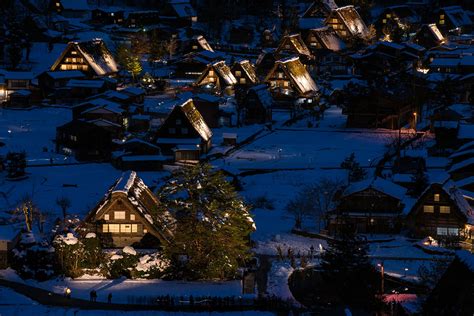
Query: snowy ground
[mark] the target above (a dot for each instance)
(13, 304)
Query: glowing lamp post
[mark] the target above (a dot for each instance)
(68, 292)
(382, 271)
(414, 120)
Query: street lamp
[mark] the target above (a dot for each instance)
(406, 270)
(380, 265)
(414, 120)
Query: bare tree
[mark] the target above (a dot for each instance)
(64, 203)
(322, 194)
(171, 46)
(301, 206)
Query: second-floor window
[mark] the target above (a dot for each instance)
(119, 215)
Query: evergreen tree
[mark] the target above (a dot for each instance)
(347, 272)
(355, 171)
(14, 38)
(213, 224)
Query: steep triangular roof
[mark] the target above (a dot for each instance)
(222, 70)
(144, 201)
(248, 68)
(95, 53)
(319, 5)
(328, 38)
(297, 73)
(296, 41)
(352, 20)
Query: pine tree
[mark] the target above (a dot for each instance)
(213, 224)
(347, 272)
(355, 171)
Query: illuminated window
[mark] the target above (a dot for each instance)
(313, 38)
(73, 60)
(211, 72)
(132, 217)
(444, 209)
(58, 4)
(280, 75)
(238, 73)
(286, 84)
(145, 231)
(343, 33)
(428, 208)
(243, 81)
(333, 20)
(389, 15)
(125, 228)
(441, 16)
(134, 228)
(436, 197)
(119, 215)
(453, 231)
(443, 231)
(441, 22)
(84, 67)
(105, 228)
(74, 52)
(384, 21)
(114, 228)
(63, 67)
(195, 47)
(106, 217)
(74, 67)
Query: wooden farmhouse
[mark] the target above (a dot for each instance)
(184, 132)
(454, 20)
(429, 36)
(289, 79)
(347, 23)
(369, 206)
(244, 72)
(196, 44)
(130, 215)
(217, 76)
(324, 38)
(91, 57)
(441, 211)
(293, 44)
(256, 105)
(319, 9)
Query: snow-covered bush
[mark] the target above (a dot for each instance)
(151, 266)
(33, 258)
(122, 264)
(70, 253)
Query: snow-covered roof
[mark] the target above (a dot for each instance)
(144, 201)
(296, 41)
(351, 18)
(75, 5)
(18, 75)
(8, 232)
(263, 95)
(135, 91)
(462, 164)
(73, 83)
(461, 153)
(326, 5)
(466, 131)
(457, 16)
(297, 74)
(248, 68)
(467, 145)
(196, 119)
(222, 70)
(310, 23)
(96, 54)
(201, 40)
(436, 32)
(465, 182)
(183, 8)
(378, 184)
(65, 74)
(328, 38)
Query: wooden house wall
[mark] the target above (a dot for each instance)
(370, 201)
(424, 224)
(73, 60)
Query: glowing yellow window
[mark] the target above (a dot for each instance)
(238, 73)
(132, 217)
(242, 80)
(134, 228)
(441, 21)
(125, 228)
(286, 84)
(105, 228)
(428, 208)
(106, 217)
(445, 209)
(436, 197)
